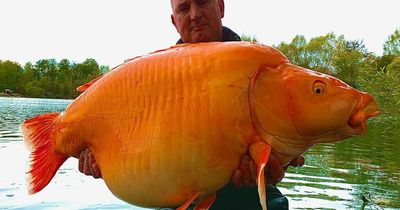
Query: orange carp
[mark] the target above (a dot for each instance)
(171, 127)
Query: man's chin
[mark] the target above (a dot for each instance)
(200, 38)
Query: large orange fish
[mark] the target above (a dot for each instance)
(180, 120)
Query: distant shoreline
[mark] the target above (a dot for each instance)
(16, 95)
(10, 95)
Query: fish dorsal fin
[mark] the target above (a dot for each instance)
(160, 51)
(87, 85)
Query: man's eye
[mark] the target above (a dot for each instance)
(202, 2)
(183, 8)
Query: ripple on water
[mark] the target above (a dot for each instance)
(7, 136)
(327, 192)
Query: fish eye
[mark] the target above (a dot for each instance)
(319, 87)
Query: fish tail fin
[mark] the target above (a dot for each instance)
(44, 161)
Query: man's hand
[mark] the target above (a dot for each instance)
(88, 165)
(246, 174)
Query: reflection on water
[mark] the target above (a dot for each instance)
(359, 173)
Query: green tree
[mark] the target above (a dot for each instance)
(392, 45)
(295, 51)
(383, 61)
(64, 79)
(319, 52)
(316, 54)
(248, 38)
(84, 72)
(384, 85)
(46, 67)
(34, 90)
(393, 69)
(104, 69)
(10, 73)
(27, 76)
(350, 60)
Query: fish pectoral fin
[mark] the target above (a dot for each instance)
(188, 202)
(206, 202)
(260, 152)
(84, 87)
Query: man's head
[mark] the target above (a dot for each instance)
(198, 20)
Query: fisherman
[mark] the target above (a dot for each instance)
(201, 21)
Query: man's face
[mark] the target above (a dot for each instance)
(198, 20)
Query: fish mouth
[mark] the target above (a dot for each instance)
(365, 108)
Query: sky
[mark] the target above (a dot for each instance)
(112, 31)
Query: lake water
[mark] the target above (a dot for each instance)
(359, 173)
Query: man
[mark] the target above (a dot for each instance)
(200, 21)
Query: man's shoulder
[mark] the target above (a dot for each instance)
(229, 35)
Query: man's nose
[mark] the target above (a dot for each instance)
(195, 12)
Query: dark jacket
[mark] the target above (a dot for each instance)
(227, 36)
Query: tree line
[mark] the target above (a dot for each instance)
(48, 78)
(348, 60)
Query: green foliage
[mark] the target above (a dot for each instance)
(47, 78)
(248, 38)
(33, 90)
(295, 51)
(350, 60)
(394, 67)
(385, 86)
(315, 54)
(10, 73)
(383, 62)
(392, 45)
